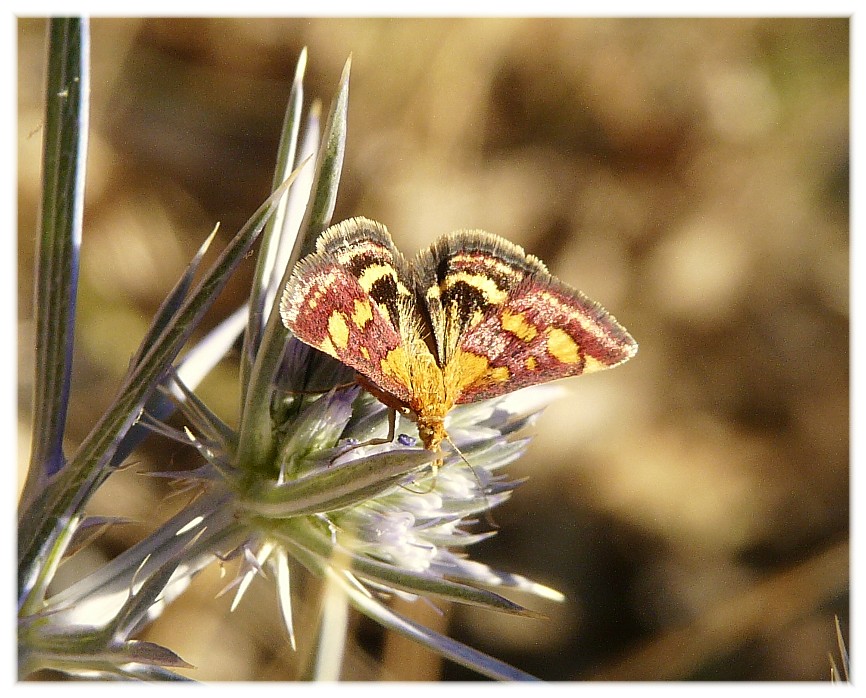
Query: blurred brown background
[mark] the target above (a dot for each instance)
(691, 175)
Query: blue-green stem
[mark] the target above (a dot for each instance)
(272, 233)
(63, 167)
(256, 447)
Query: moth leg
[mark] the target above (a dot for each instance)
(392, 431)
(389, 401)
(392, 425)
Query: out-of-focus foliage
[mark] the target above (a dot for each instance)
(691, 175)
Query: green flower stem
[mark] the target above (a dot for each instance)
(37, 651)
(89, 650)
(328, 170)
(270, 241)
(331, 634)
(256, 449)
(64, 157)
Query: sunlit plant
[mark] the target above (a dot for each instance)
(304, 486)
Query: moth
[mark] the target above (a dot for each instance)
(471, 317)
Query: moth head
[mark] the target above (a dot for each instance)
(432, 432)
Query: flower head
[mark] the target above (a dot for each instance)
(379, 520)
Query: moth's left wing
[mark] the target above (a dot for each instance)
(502, 322)
(345, 300)
(364, 249)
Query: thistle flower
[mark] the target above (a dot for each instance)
(376, 520)
(296, 483)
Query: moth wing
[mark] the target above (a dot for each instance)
(339, 301)
(365, 250)
(502, 322)
(544, 331)
(463, 276)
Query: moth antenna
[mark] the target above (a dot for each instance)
(487, 515)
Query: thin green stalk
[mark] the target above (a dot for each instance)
(328, 169)
(256, 440)
(327, 659)
(271, 235)
(64, 152)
